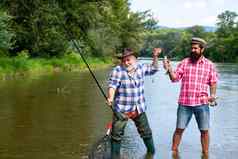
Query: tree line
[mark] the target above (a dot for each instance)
(222, 43)
(102, 28)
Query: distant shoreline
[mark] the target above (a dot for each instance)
(17, 67)
(150, 58)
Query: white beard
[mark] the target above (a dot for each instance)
(130, 68)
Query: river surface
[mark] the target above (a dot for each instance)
(60, 116)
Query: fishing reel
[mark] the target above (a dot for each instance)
(214, 103)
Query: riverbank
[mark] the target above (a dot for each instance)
(22, 65)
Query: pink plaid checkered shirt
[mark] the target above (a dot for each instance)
(195, 81)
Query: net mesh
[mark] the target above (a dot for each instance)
(101, 149)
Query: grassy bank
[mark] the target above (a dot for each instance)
(22, 65)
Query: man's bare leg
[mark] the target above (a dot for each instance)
(177, 139)
(205, 141)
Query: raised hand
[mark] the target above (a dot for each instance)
(166, 64)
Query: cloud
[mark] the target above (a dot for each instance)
(209, 20)
(218, 2)
(188, 5)
(201, 4)
(183, 22)
(195, 4)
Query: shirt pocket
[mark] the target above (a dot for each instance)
(203, 76)
(187, 73)
(125, 83)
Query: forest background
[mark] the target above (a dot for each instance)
(33, 34)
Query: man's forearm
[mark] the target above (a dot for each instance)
(171, 73)
(155, 62)
(111, 93)
(213, 88)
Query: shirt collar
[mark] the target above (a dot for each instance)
(136, 66)
(200, 61)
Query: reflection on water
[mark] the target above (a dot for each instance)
(39, 122)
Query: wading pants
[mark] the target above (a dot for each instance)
(143, 128)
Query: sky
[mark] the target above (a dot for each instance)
(184, 13)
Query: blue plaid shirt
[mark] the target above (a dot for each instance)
(129, 94)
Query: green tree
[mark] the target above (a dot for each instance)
(226, 23)
(102, 27)
(197, 31)
(35, 30)
(226, 43)
(6, 36)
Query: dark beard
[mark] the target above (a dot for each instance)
(194, 58)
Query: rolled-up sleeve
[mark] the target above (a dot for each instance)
(179, 72)
(114, 79)
(213, 76)
(149, 69)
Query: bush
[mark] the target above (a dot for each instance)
(73, 58)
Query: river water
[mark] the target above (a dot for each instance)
(60, 116)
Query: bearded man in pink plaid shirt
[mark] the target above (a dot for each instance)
(197, 74)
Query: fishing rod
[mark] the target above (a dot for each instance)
(166, 55)
(76, 45)
(70, 36)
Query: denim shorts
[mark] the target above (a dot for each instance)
(201, 113)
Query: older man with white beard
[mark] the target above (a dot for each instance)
(126, 95)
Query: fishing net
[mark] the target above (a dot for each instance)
(102, 148)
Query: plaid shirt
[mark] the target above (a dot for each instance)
(196, 79)
(129, 94)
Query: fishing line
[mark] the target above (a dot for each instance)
(79, 50)
(75, 43)
(70, 36)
